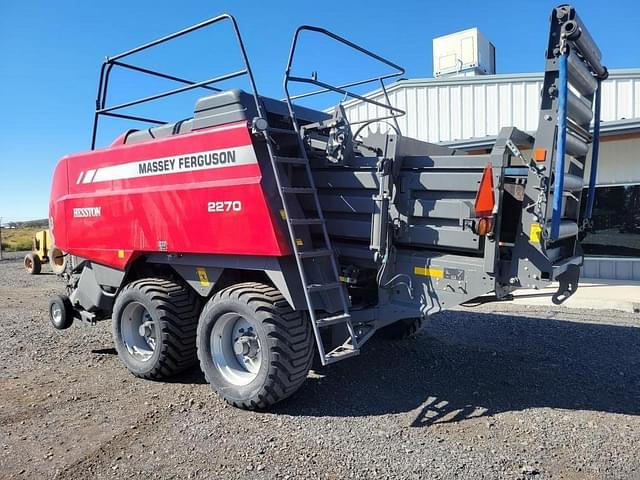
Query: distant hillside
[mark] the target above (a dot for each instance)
(42, 223)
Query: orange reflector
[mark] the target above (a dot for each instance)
(539, 154)
(484, 199)
(484, 226)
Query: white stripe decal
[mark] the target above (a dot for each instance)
(227, 157)
(89, 176)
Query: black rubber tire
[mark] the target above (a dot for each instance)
(286, 339)
(57, 260)
(174, 310)
(402, 329)
(32, 263)
(66, 320)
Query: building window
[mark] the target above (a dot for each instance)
(616, 222)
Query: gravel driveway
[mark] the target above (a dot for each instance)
(496, 391)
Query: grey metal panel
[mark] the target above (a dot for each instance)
(190, 274)
(152, 133)
(436, 180)
(445, 208)
(343, 203)
(349, 228)
(234, 105)
(107, 276)
(451, 237)
(435, 293)
(89, 294)
(224, 107)
(280, 270)
(345, 179)
(464, 162)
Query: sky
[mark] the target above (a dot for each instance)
(51, 53)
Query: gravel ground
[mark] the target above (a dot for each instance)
(496, 391)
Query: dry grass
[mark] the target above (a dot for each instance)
(18, 239)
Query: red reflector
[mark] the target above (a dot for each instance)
(484, 199)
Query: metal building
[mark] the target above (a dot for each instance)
(468, 112)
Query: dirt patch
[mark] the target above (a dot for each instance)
(493, 392)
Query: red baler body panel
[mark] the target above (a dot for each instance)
(199, 192)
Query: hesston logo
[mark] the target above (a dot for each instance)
(84, 212)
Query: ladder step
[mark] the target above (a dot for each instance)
(292, 160)
(298, 190)
(306, 221)
(316, 253)
(322, 287)
(333, 320)
(340, 353)
(286, 131)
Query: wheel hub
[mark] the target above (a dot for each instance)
(235, 348)
(146, 329)
(138, 332)
(247, 346)
(56, 313)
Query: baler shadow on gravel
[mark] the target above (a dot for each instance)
(258, 233)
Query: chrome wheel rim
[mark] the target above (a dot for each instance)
(138, 331)
(235, 349)
(56, 313)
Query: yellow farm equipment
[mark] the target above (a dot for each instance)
(44, 252)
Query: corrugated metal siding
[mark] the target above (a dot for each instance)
(612, 268)
(474, 107)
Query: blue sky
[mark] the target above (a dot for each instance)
(50, 54)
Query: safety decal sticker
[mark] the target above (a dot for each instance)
(438, 272)
(202, 276)
(429, 272)
(535, 233)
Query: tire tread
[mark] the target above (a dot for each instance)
(291, 342)
(178, 308)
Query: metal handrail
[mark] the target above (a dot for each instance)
(159, 74)
(342, 89)
(114, 61)
(174, 91)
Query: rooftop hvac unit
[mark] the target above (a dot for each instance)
(465, 53)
